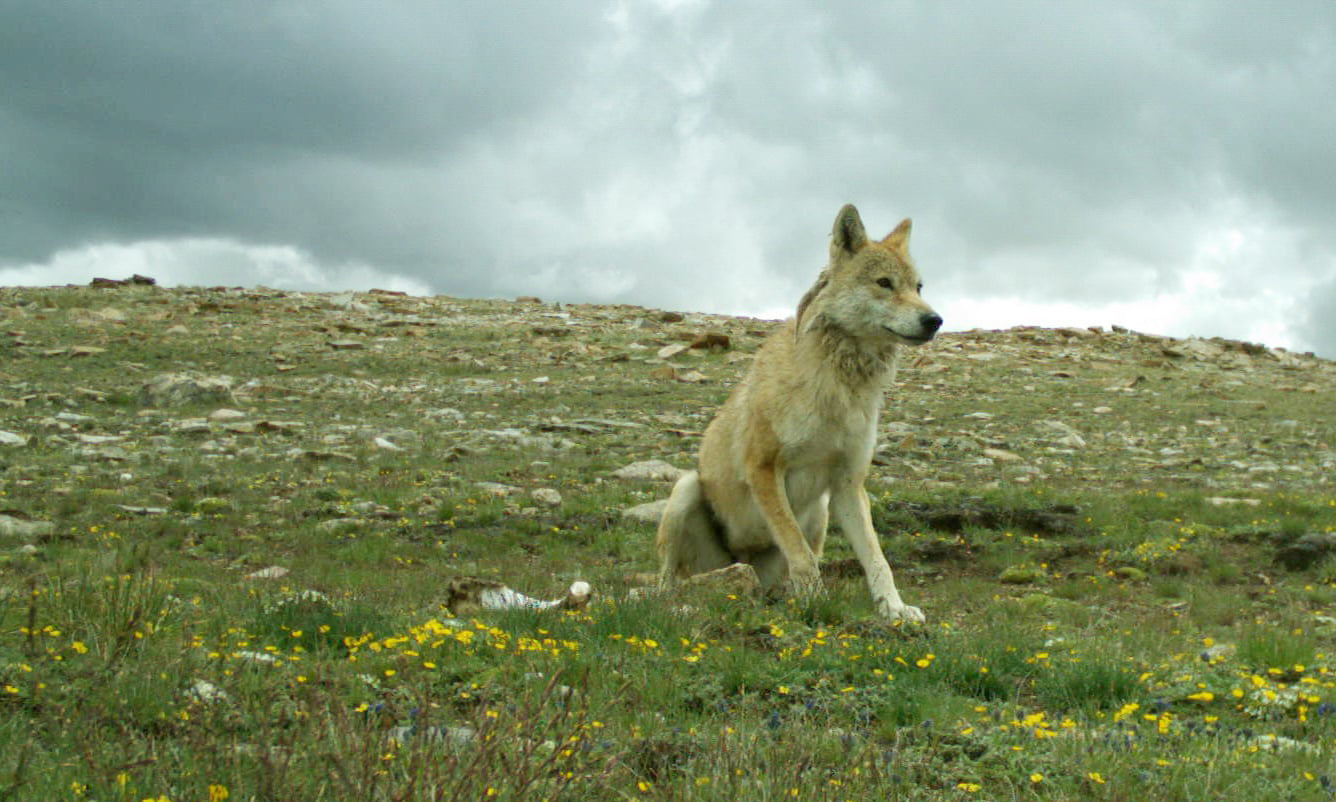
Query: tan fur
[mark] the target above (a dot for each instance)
(794, 441)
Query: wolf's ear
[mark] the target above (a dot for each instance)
(848, 236)
(821, 282)
(899, 238)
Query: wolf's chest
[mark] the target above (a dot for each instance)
(841, 437)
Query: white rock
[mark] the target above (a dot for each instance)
(670, 351)
(547, 497)
(385, 445)
(182, 388)
(201, 690)
(496, 489)
(654, 470)
(1220, 501)
(226, 415)
(272, 572)
(190, 426)
(646, 513)
(17, 527)
(11, 439)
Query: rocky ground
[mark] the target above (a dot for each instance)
(241, 529)
(127, 374)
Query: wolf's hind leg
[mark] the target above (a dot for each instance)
(687, 542)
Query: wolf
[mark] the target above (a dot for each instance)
(794, 441)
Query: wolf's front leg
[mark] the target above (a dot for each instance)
(850, 505)
(766, 483)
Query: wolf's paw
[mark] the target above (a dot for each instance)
(804, 585)
(901, 612)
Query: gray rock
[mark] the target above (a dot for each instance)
(497, 489)
(547, 497)
(272, 572)
(646, 513)
(19, 528)
(176, 389)
(654, 470)
(11, 439)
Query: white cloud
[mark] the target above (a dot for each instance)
(206, 262)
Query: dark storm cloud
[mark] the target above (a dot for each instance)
(308, 123)
(1152, 161)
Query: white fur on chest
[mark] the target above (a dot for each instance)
(823, 448)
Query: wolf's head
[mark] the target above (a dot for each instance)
(869, 289)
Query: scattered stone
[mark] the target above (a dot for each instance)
(1070, 438)
(190, 426)
(649, 513)
(692, 377)
(178, 389)
(528, 299)
(497, 489)
(1002, 455)
(11, 439)
(547, 497)
(671, 317)
(384, 445)
(346, 345)
(1193, 347)
(142, 510)
(205, 692)
(226, 415)
(738, 578)
(339, 526)
(20, 528)
(454, 736)
(711, 341)
(272, 572)
(670, 351)
(85, 350)
(1220, 501)
(654, 470)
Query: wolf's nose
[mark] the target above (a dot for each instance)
(931, 322)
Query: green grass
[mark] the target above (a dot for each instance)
(1155, 651)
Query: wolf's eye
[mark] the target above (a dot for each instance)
(885, 282)
(919, 288)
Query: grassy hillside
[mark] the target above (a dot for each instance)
(230, 521)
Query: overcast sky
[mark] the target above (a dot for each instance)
(1166, 166)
